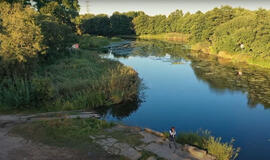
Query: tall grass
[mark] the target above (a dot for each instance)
(21, 93)
(96, 42)
(213, 145)
(88, 81)
(179, 37)
(82, 80)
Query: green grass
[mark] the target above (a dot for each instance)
(177, 37)
(88, 81)
(72, 133)
(82, 80)
(96, 42)
(68, 133)
(214, 146)
(205, 47)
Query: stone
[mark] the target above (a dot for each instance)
(138, 148)
(92, 137)
(113, 150)
(154, 132)
(198, 153)
(101, 136)
(148, 137)
(106, 142)
(127, 151)
(151, 158)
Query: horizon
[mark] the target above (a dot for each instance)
(153, 7)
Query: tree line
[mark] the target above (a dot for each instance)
(235, 30)
(101, 24)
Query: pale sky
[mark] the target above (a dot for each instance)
(154, 7)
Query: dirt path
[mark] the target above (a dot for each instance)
(17, 148)
(114, 141)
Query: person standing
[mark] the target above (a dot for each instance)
(172, 138)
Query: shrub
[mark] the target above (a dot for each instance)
(191, 139)
(222, 151)
(214, 146)
(22, 94)
(92, 42)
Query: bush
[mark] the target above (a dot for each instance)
(214, 146)
(92, 42)
(222, 151)
(22, 94)
(192, 139)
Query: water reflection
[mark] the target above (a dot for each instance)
(119, 111)
(221, 75)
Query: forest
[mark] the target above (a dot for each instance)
(236, 31)
(40, 70)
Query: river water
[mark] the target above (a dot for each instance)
(194, 91)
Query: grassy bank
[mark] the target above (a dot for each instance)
(79, 80)
(204, 47)
(262, 61)
(177, 37)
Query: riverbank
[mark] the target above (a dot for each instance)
(84, 138)
(176, 37)
(79, 80)
(205, 48)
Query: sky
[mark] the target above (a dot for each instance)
(154, 7)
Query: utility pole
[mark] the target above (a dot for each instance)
(87, 6)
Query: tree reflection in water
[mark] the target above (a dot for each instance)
(220, 74)
(119, 111)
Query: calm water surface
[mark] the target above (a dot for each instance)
(192, 91)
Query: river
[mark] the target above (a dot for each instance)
(191, 91)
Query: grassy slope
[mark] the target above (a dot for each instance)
(206, 48)
(86, 81)
(79, 80)
(177, 37)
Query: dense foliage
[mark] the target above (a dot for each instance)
(39, 69)
(233, 30)
(21, 39)
(117, 24)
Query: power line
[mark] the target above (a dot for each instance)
(87, 6)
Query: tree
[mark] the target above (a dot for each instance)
(64, 10)
(141, 24)
(97, 25)
(173, 20)
(21, 38)
(57, 36)
(216, 17)
(121, 24)
(24, 2)
(250, 31)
